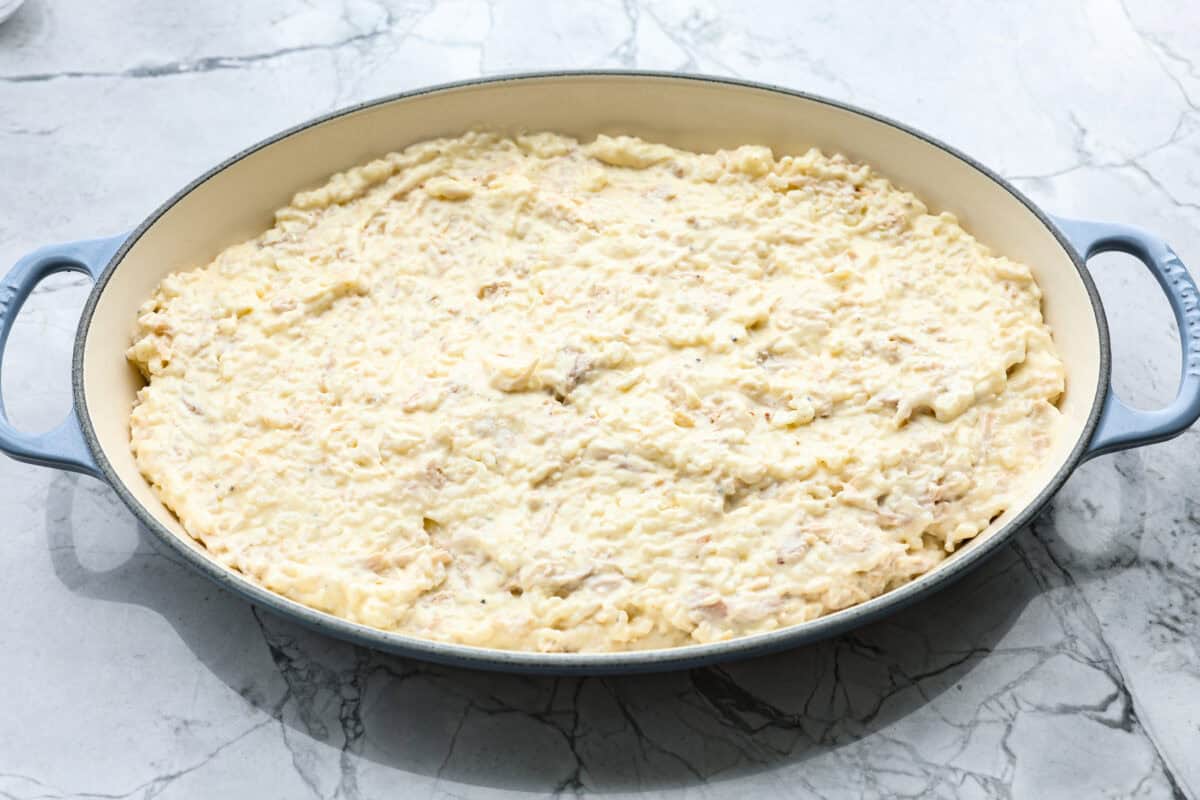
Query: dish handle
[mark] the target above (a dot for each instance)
(62, 447)
(1121, 427)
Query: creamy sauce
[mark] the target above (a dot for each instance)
(542, 395)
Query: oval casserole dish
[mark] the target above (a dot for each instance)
(237, 199)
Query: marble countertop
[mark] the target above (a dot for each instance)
(1066, 667)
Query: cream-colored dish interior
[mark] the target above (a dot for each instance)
(239, 201)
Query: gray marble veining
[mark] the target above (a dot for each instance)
(1066, 667)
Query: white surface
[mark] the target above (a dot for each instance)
(1067, 666)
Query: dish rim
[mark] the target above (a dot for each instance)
(628, 661)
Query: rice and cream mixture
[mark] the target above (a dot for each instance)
(540, 394)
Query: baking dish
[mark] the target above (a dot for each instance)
(235, 201)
